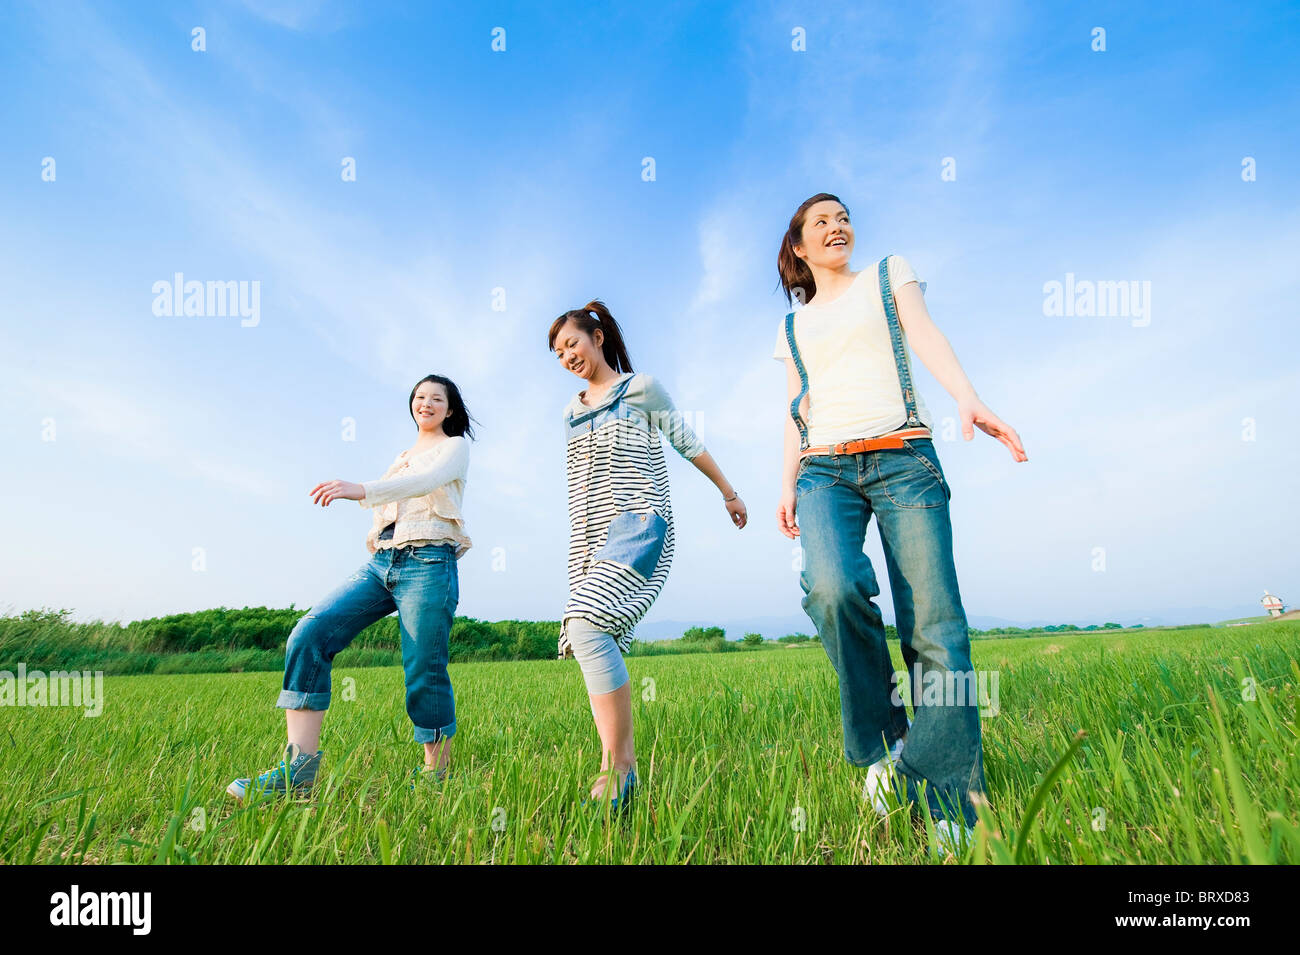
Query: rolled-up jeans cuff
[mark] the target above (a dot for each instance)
(298, 700)
(423, 735)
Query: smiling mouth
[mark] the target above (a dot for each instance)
(578, 367)
(837, 242)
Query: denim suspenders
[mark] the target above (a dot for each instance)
(900, 359)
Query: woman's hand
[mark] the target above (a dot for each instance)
(736, 508)
(785, 514)
(328, 491)
(977, 413)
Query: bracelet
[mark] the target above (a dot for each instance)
(728, 500)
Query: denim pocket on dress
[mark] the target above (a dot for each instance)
(635, 540)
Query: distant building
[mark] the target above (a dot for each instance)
(1272, 604)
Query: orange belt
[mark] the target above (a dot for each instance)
(892, 440)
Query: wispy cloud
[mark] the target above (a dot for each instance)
(119, 424)
(299, 14)
(225, 165)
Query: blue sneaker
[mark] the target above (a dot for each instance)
(425, 775)
(296, 771)
(624, 799)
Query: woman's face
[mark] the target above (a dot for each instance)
(429, 406)
(827, 236)
(578, 351)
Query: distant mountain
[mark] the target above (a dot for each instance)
(772, 627)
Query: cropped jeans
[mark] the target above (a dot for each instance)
(905, 488)
(421, 584)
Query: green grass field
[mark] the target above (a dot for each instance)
(1190, 755)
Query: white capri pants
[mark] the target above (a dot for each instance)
(598, 656)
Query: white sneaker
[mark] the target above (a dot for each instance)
(953, 837)
(878, 773)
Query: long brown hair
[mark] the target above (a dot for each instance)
(590, 317)
(796, 279)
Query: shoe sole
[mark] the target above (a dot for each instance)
(302, 792)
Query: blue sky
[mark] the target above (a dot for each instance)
(522, 170)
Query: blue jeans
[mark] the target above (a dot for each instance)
(836, 494)
(421, 584)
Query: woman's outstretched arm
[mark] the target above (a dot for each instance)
(452, 463)
(653, 397)
(933, 348)
(709, 468)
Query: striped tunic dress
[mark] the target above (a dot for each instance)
(620, 517)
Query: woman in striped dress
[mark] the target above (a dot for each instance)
(621, 521)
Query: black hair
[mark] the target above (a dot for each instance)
(458, 418)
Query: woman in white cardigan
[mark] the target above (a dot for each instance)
(417, 536)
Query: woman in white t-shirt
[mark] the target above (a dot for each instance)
(857, 443)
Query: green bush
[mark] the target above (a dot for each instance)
(704, 634)
(229, 640)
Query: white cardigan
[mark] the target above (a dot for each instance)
(422, 494)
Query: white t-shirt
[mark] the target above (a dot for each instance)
(853, 389)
